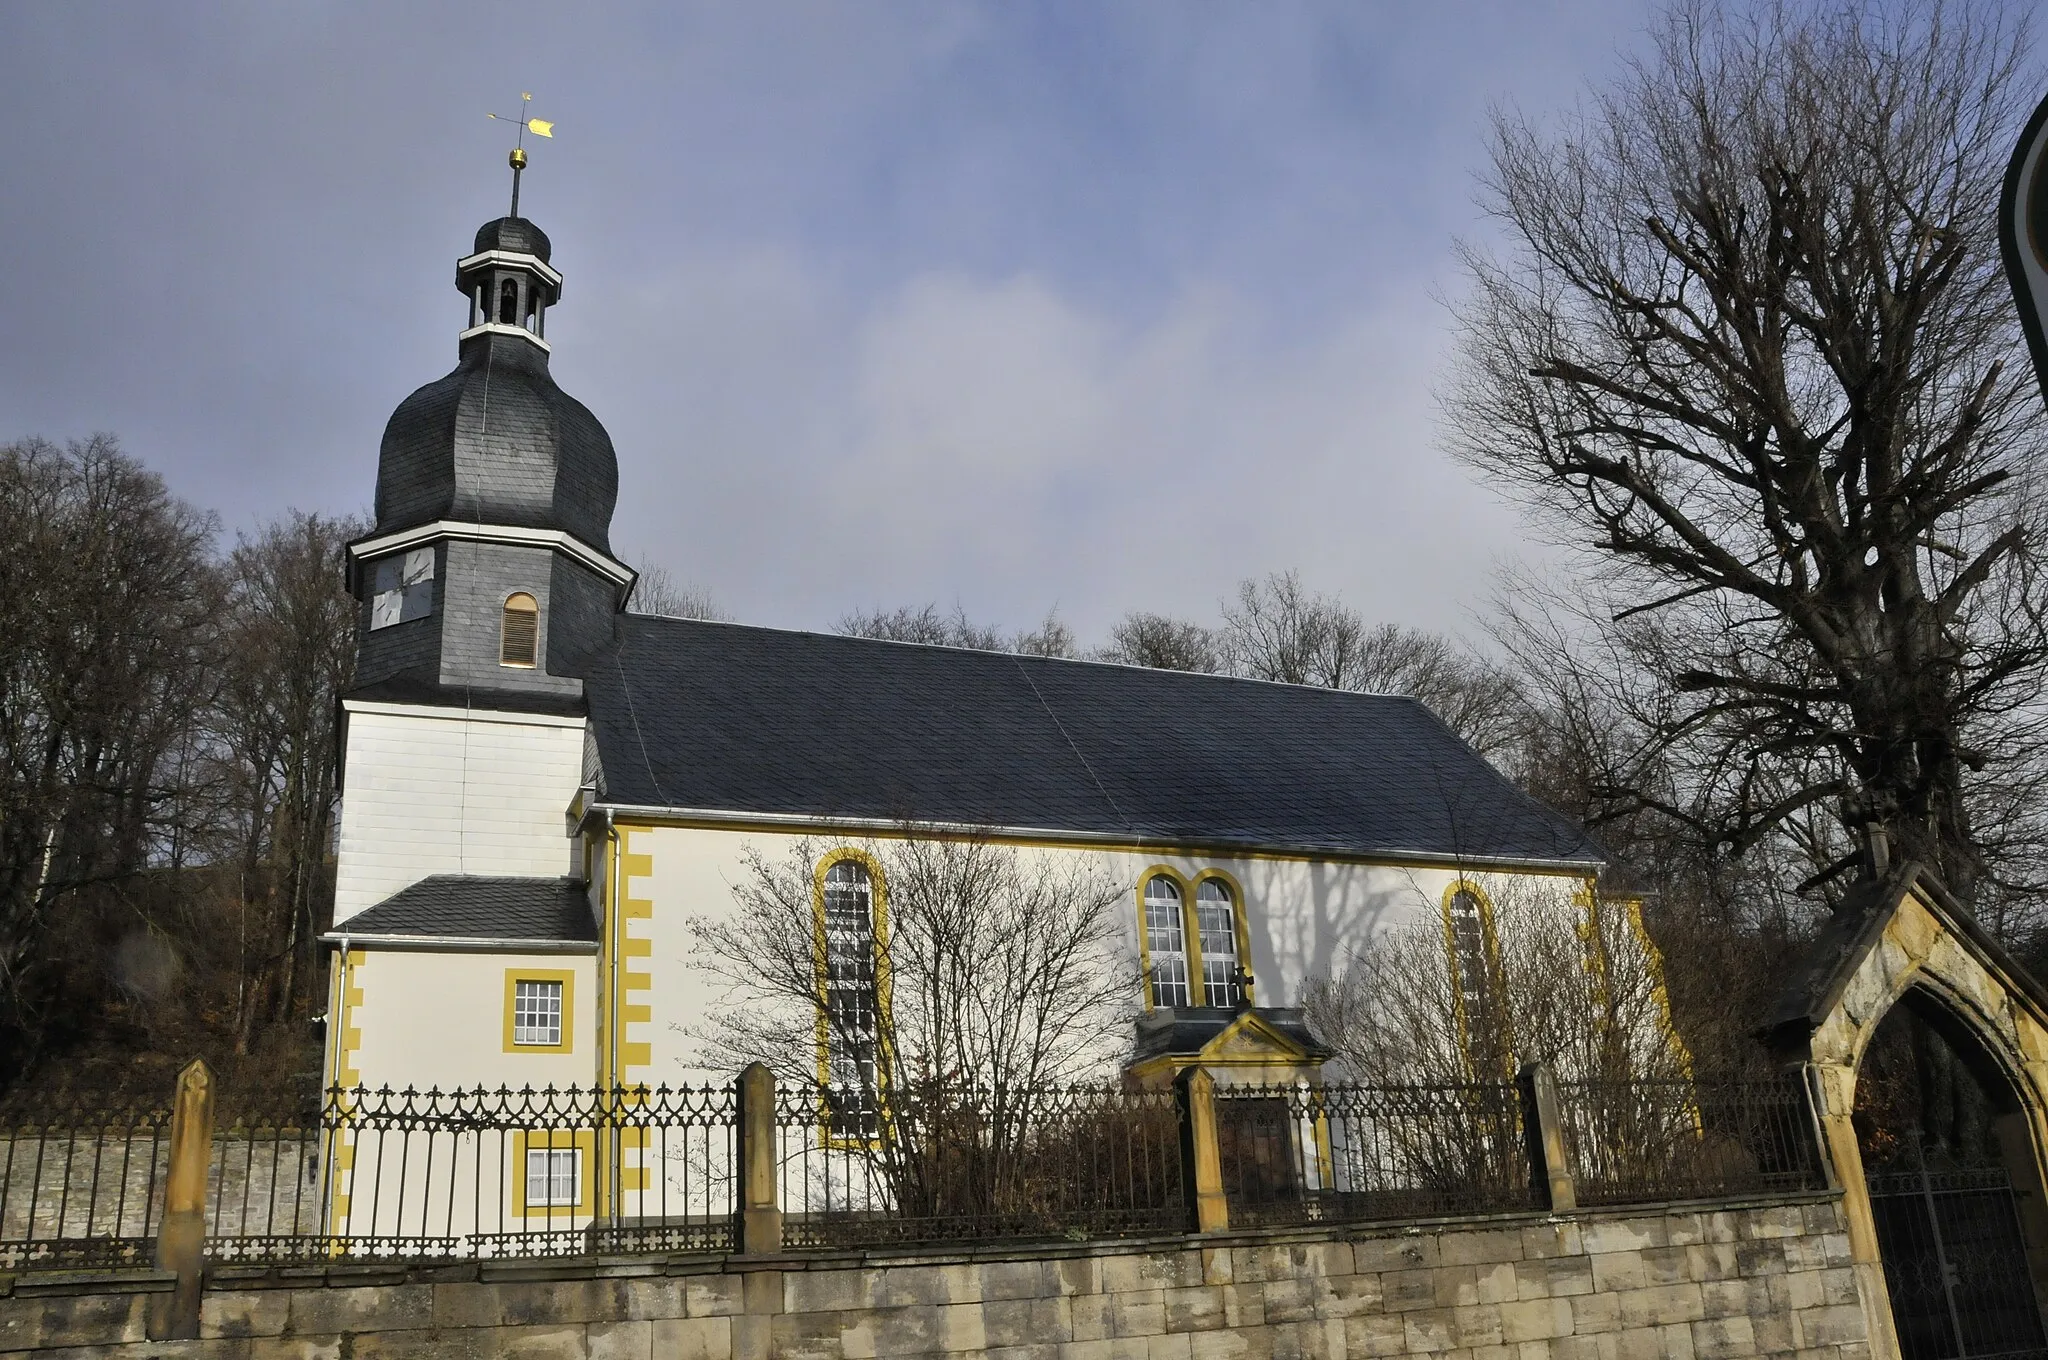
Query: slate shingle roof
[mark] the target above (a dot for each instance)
(466, 906)
(514, 234)
(689, 714)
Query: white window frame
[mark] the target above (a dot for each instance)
(525, 1030)
(559, 1169)
(1169, 966)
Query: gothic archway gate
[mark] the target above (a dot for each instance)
(1948, 1232)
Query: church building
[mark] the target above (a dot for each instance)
(542, 791)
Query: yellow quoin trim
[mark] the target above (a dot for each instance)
(583, 1141)
(633, 1057)
(515, 976)
(878, 903)
(1490, 945)
(347, 999)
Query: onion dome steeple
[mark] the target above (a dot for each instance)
(495, 491)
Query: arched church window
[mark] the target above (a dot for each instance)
(1216, 919)
(1475, 972)
(519, 634)
(849, 987)
(1166, 941)
(508, 303)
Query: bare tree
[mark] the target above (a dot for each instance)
(658, 592)
(289, 640)
(991, 965)
(1747, 345)
(111, 598)
(1278, 630)
(1141, 639)
(926, 624)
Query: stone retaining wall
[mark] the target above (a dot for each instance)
(1697, 1282)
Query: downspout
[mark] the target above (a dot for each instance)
(337, 1024)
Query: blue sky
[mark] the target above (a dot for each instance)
(1089, 305)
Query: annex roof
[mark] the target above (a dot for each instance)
(700, 716)
(474, 908)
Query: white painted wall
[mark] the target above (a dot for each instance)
(448, 791)
(438, 1020)
(1303, 917)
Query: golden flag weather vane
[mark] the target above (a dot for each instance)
(539, 127)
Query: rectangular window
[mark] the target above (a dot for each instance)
(1216, 918)
(1166, 942)
(554, 1177)
(402, 588)
(537, 1013)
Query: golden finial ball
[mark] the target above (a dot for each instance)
(517, 158)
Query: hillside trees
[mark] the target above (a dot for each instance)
(1746, 347)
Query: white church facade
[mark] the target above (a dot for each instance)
(543, 794)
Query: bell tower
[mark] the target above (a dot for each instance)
(489, 573)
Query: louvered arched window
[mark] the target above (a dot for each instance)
(519, 633)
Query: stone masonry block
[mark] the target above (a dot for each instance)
(239, 1312)
(1624, 1234)
(626, 1341)
(1723, 1338)
(1022, 1322)
(565, 1301)
(1194, 1310)
(1667, 1265)
(1074, 1275)
(1244, 1305)
(1130, 1348)
(1015, 1280)
(1685, 1229)
(1496, 1283)
(1404, 1289)
(1713, 1260)
(806, 1336)
(1139, 1313)
(1287, 1300)
(1172, 1346)
(1477, 1325)
(752, 1337)
(1088, 1315)
(1759, 1258)
(1483, 1247)
(1227, 1345)
(1820, 1219)
(823, 1291)
(1617, 1270)
(1562, 1238)
(516, 1343)
(1780, 1220)
(404, 1307)
(1773, 1333)
(1557, 1277)
(1412, 1252)
(906, 1286)
(913, 1330)
(709, 1296)
(1733, 1298)
(1375, 1334)
(1595, 1314)
(1430, 1330)
(1661, 1305)
(1833, 1325)
(1456, 1285)
(707, 1338)
(1048, 1351)
(1349, 1295)
(1599, 1347)
(1121, 1274)
(1535, 1319)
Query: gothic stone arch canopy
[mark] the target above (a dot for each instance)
(1895, 932)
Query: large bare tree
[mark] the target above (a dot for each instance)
(1744, 339)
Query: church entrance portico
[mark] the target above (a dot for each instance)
(1928, 1051)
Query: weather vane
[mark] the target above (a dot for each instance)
(539, 127)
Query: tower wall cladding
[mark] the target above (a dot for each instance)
(1675, 1282)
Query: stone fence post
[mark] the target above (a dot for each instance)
(181, 1233)
(1543, 1124)
(1201, 1159)
(760, 1192)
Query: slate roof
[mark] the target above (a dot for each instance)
(515, 234)
(690, 714)
(1185, 1031)
(1815, 984)
(467, 906)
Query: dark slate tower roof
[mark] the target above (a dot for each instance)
(497, 441)
(744, 720)
(515, 234)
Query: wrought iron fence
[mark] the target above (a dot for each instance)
(948, 1162)
(1632, 1142)
(1347, 1152)
(80, 1183)
(549, 1172)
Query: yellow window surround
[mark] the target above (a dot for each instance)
(581, 1141)
(515, 976)
(878, 906)
(1191, 933)
(1490, 947)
